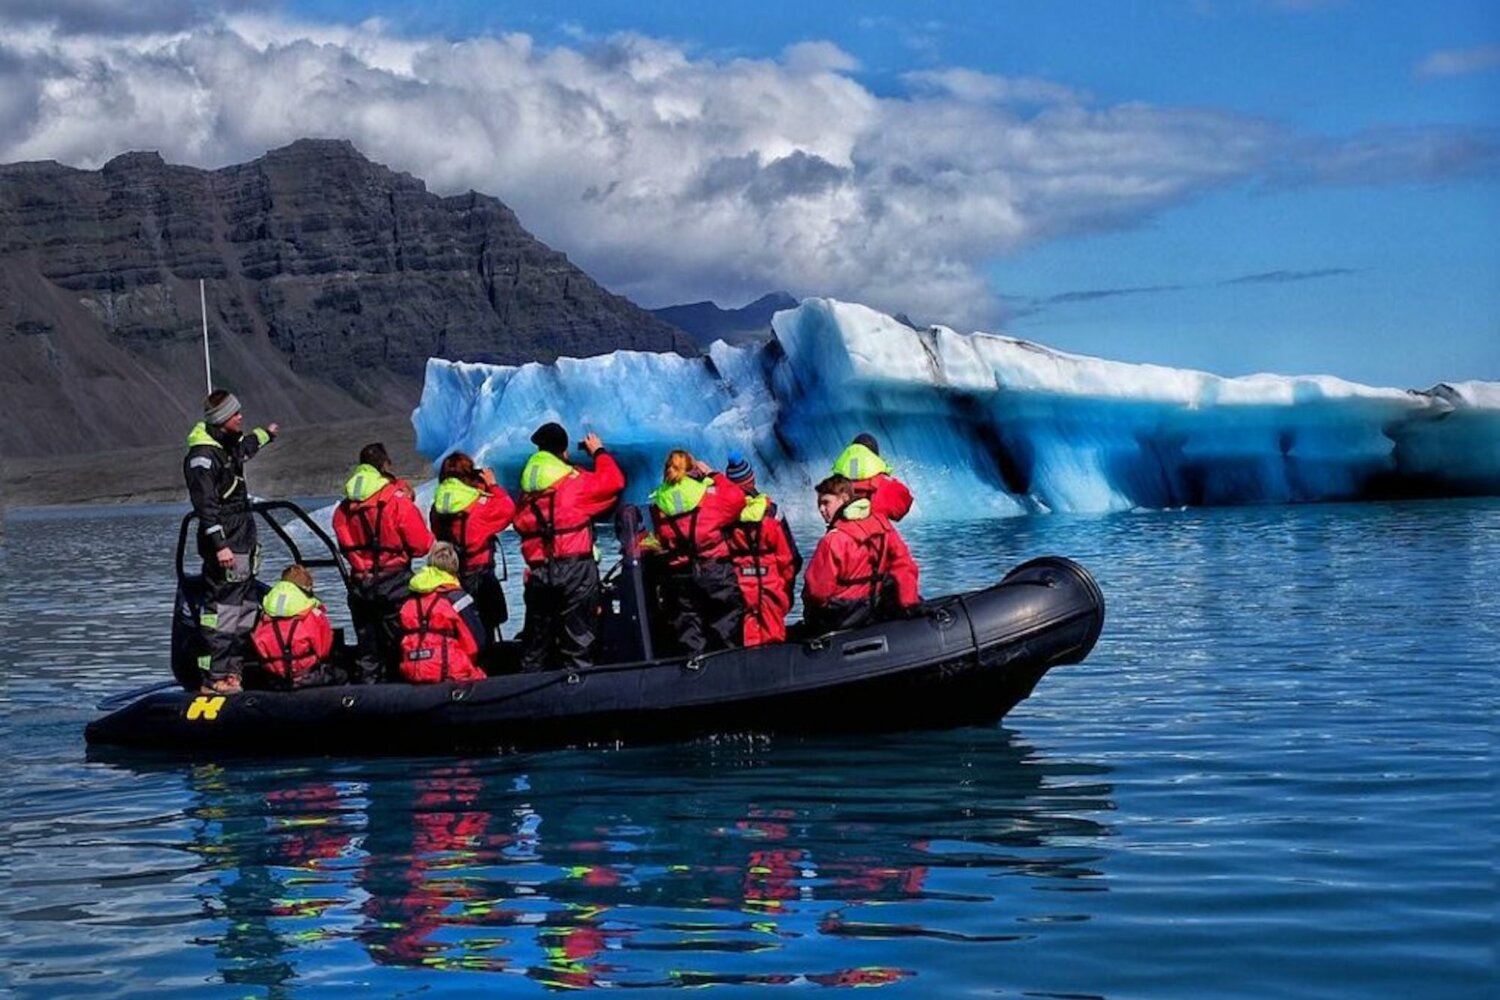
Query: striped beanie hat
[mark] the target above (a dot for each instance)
(739, 472)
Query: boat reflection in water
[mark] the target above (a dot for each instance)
(783, 862)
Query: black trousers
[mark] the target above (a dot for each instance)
(704, 606)
(259, 679)
(489, 598)
(836, 615)
(375, 610)
(230, 606)
(562, 615)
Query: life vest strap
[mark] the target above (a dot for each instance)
(288, 656)
(372, 542)
(426, 628)
(877, 569)
(547, 529)
(688, 540)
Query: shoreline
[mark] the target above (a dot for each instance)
(310, 460)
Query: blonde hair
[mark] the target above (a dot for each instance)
(677, 466)
(298, 574)
(444, 557)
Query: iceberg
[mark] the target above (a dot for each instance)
(978, 424)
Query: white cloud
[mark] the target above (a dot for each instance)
(1460, 62)
(818, 57)
(1413, 154)
(674, 178)
(986, 88)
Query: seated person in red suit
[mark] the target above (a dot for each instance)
(440, 624)
(293, 639)
(862, 571)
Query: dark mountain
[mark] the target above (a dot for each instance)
(330, 281)
(708, 323)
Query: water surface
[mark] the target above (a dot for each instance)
(1273, 777)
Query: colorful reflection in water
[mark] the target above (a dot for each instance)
(643, 867)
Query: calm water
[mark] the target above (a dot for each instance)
(1274, 777)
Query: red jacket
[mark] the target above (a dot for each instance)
(873, 481)
(292, 637)
(766, 562)
(558, 505)
(858, 553)
(691, 518)
(378, 527)
(471, 519)
(888, 495)
(439, 631)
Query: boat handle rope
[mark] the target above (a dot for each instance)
(573, 677)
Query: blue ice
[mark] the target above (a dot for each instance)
(978, 424)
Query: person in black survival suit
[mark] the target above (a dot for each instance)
(214, 468)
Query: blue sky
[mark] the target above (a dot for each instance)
(1295, 186)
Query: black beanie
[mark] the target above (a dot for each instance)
(551, 437)
(868, 440)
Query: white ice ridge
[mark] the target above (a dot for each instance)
(978, 424)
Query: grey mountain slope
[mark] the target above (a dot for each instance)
(707, 322)
(331, 279)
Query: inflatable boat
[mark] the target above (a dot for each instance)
(960, 660)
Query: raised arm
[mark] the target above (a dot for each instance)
(599, 488)
(256, 440)
(891, 497)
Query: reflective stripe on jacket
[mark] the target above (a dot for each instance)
(378, 527)
(214, 470)
(690, 518)
(874, 481)
(559, 502)
(766, 562)
(439, 631)
(471, 519)
(293, 635)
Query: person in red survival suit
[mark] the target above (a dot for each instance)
(559, 502)
(470, 510)
(766, 559)
(293, 637)
(871, 477)
(380, 531)
(440, 626)
(862, 570)
(692, 511)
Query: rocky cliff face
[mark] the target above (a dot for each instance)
(330, 281)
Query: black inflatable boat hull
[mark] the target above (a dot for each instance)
(966, 660)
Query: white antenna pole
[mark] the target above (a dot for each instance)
(208, 372)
